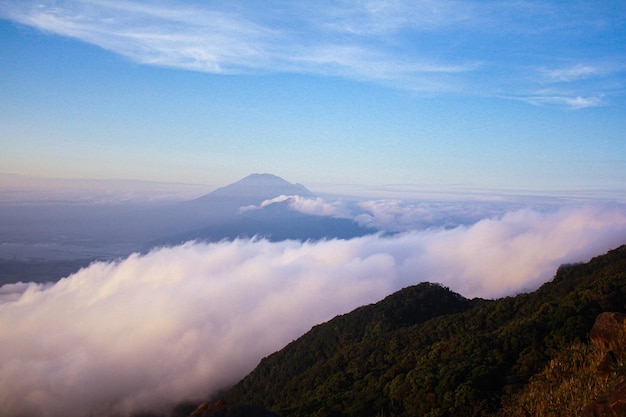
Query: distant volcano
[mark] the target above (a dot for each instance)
(254, 189)
(218, 215)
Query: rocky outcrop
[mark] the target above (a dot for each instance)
(608, 329)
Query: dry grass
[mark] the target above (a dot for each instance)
(569, 382)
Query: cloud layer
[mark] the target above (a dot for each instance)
(181, 322)
(394, 215)
(424, 46)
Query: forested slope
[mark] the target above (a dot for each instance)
(427, 351)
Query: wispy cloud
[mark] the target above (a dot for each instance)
(148, 331)
(380, 18)
(171, 35)
(425, 46)
(572, 102)
(572, 73)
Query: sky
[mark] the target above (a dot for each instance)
(494, 95)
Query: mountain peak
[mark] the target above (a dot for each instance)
(256, 188)
(267, 179)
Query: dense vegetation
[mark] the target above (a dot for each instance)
(426, 351)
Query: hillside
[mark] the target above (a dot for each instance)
(428, 351)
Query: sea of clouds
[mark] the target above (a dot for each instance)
(397, 215)
(148, 331)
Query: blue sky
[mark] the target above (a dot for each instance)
(515, 95)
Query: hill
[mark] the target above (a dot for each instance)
(430, 352)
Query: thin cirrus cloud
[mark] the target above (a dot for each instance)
(181, 37)
(573, 102)
(146, 332)
(425, 46)
(577, 73)
(572, 73)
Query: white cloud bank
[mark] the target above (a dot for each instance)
(314, 206)
(394, 215)
(148, 331)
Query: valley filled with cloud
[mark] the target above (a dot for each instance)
(182, 322)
